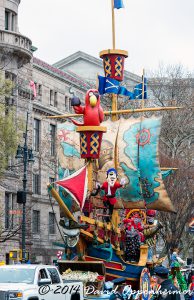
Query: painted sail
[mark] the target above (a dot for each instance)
(138, 142)
(132, 146)
(69, 158)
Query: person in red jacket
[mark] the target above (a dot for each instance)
(191, 288)
(110, 187)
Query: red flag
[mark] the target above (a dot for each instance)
(33, 87)
(76, 185)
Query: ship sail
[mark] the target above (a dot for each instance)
(137, 160)
(76, 185)
(138, 142)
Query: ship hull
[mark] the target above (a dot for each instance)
(115, 267)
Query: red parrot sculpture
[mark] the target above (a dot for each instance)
(92, 111)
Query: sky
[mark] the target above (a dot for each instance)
(152, 31)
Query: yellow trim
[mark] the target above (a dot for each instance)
(99, 224)
(91, 128)
(90, 175)
(139, 211)
(113, 51)
(111, 268)
(122, 111)
(143, 257)
(114, 117)
(169, 168)
(60, 202)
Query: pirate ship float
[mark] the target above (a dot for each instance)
(111, 176)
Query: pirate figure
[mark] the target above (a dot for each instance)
(109, 187)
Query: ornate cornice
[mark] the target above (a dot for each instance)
(70, 79)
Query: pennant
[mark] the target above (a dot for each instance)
(118, 4)
(33, 87)
(138, 90)
(76, 185)
(109, 85)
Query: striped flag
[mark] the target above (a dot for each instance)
(118, 4)
(138, 90)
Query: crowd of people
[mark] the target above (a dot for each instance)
(162, 287)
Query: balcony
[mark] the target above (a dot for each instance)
(17, 43)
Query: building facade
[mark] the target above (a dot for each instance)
(53, 83)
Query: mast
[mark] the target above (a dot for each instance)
(114, 96)
(113, 25)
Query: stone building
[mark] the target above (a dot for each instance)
(53, 84)
(18, 64)
(53, 98)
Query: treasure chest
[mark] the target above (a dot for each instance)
(93, 284)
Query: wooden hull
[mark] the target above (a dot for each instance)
(116, 267)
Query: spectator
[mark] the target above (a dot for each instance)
(191, 288)
(167, 289)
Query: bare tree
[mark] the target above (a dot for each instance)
(173, 85)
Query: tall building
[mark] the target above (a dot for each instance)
(15, 62)
(53, 83)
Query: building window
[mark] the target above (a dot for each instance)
(13, 22)
(52, 223)
(51, 98)
(36, 141)
(55, 99)
(6, 20)
(9, 206)
(12, 77)
(69, 105)
(39, 91)
(36, 184)
(36, 221)
(10, 20)
(53, 135)
(66, 102)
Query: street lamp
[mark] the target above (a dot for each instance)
(27, 155)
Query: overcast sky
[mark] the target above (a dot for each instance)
(152, 31)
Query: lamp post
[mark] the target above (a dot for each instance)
(27, 156)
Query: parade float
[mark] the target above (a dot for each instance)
(110, 181)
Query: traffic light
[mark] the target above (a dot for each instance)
(21, 197)
(13, 254)
(27, 256)
(17, 255)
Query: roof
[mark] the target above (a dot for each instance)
(87, 57)
(78, 55)
(67, 76)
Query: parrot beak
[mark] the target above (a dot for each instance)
(93, 100)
